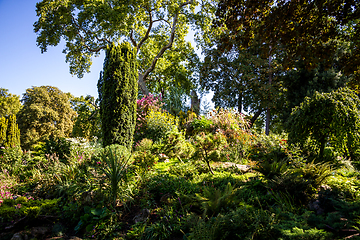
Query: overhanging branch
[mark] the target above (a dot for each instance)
(169, 45)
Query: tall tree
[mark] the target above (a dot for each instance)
(9, 103)
(118, 90)
(87, 121)
(306, 29)
(301, 82)
(87, 27)
(46, 111)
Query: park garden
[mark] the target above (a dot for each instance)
(277, 158)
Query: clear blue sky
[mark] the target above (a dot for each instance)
(23, 66)
(21, 63)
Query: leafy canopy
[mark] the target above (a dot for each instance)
(87, 27)
(46, 111)
(9, 103)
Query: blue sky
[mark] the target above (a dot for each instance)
(21, 63)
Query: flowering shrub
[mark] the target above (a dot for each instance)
(4, 193)
(144, 105)
(229, 122)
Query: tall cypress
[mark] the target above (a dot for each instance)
(12, 133)
(118, 90)
(3, 129)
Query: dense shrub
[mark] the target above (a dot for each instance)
(158, 124)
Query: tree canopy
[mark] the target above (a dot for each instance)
(307, 30)
(9, 103)
(87, 27)
(46, 112)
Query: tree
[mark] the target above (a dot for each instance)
(306, 29)
(9, 103)
(46, 112)
(87, 27)
(301, 82)
(9, 132)
(118, 90)
(327, 118)
(87, 121)
(239, 79)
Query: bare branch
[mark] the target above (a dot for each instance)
(169, 45)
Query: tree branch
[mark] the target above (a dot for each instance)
(253, 119)
(88, 33)
(132, 38)
(147, 32)
(169, 45)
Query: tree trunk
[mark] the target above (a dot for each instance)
(267, 126)
(142, 85)
(253, 119)
(240, 103)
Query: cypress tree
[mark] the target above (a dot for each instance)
(12, 133)
(3, 128)
(118, 89)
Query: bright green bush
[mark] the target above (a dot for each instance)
(158, 124)
(327, 119)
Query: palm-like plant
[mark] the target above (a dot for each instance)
(114, 169)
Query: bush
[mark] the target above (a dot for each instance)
(158, 124)
(59, 145)
(243, 223)
(144, 105)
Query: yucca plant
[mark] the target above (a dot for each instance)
(114, 168)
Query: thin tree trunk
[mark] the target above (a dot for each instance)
(267, 126)
(253, 119)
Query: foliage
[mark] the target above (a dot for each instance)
(118, 91)
(199, 124)
(115, 159)
(177, 146)
(302, 182)
(9, 103)
(208, 147)
(331, 118)
(301, 82)
(87, 121)
(158, 124)
(144, 160)
(151, 27)
(59, 146)
(22, 206)
(212, 201)
(314, 23)
(243, 223)
(144, 105)
(11, 160)
(9, 132)
(46, 111)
